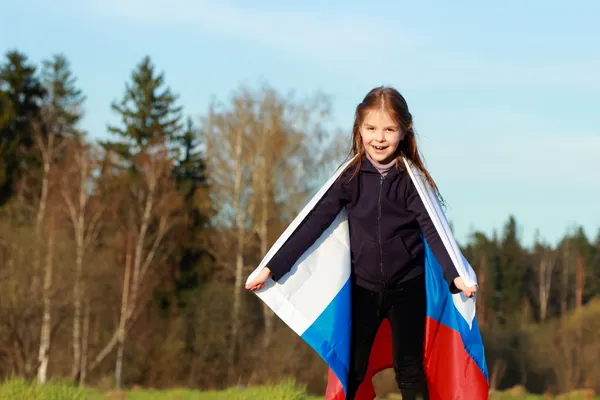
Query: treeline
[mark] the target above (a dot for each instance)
(123, 260)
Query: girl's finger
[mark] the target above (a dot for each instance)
(253, 286)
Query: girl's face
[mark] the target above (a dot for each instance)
(380, 136)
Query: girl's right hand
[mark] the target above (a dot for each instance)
(259, 282)
(461, 285)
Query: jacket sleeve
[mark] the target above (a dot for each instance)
(416, 206)
(311, 228)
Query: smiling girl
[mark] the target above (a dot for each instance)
(387, 221)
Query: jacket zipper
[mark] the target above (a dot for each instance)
(379, 230)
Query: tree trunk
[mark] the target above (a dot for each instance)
(543, 289)
(565, 281)
(480, 300)
(84, 345)
(239, 263)
(44, 349)
(80, 164)
(545, 284)
(44, 352)
(121, 332)
(268, 314)
(75, 371)
(134, 276)
(580, 279)
(266, 159)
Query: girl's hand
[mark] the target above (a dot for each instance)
(259, 282)
(460, 284)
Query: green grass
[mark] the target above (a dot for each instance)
(18, 389)
(283, 391)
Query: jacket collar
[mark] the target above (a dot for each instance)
(367, 166)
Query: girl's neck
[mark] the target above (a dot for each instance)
(382, 168)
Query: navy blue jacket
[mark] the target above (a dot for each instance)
(386, 219)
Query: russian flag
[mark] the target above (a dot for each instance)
(313, 299)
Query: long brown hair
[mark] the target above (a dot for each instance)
(392, 102)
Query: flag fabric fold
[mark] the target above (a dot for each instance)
(313, 299)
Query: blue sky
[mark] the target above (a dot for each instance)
(506, 97)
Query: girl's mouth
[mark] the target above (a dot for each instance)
(380, 148)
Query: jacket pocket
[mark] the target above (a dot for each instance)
(366, 260)
(396, 255)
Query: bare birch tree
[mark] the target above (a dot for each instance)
(44, 353)
(230, 167)
(545, 271)
(260, 159)
(45, 135)
(76, 189)
(288, 140)
(150, 210)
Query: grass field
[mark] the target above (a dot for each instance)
(20, 390)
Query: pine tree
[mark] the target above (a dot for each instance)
(190, 175)
(513, 271)
(146, 152)
(21, 94)
(193, 266)
(148, 113)
(65, 100)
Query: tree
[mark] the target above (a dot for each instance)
(514, 270)
(192, 266)
(544, 263)
(84, 211)
(482, 251)
(577, 270)
(64, 98)
(147, 110)
(21, 94)
(256, 148)
(228, 141)
(144, 156)
(57, 119)
(190, 176)
(288, 135)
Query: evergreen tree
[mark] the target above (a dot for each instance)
(21, 94)
(193, 264)
(65, 100)
(191, 180)
(513, 271)
(148, 112)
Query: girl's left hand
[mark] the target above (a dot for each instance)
(460, 284)
(259, 282)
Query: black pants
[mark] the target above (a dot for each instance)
(404, 306)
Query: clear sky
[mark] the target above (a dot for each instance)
(505, 96)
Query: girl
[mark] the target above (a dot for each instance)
(387, 221)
